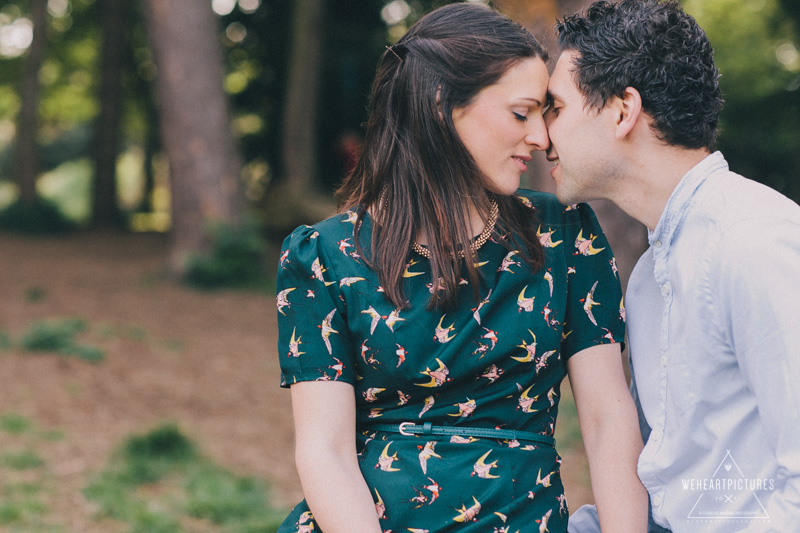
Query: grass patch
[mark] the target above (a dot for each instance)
(159, 480)
(236, 259)
(15, 424)
(35, 294)
(22, 460)
(59, 336)
(24, 478)
(5, 341)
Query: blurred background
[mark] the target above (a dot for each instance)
(153, 155)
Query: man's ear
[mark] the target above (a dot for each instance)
(628, 109)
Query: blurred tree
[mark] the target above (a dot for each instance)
(757, 50)
(105, 207)
(26, 169)
(204, 164)
(301, 97)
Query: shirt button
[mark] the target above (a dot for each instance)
(665, 290)
(657, 244)
(657, 500)
(663, 360)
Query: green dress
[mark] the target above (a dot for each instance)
(493, 363)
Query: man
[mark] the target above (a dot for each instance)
(713, 313)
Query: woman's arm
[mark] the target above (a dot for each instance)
(610, 430)
(325, 452)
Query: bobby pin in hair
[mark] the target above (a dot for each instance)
(395, 53)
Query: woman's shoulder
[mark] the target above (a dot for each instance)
(325, 233)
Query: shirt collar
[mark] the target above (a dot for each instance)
(681, 197)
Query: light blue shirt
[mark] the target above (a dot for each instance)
(714, 336)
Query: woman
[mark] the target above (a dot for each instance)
(425, 331)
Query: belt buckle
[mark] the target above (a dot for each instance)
(402, 429)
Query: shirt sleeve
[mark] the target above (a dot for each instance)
(313, 337)
(595, 312)
(759, 286)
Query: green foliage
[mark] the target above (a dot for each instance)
(152, 456)
(236, 259)
(35, 294)
(22, 460)
(23, 477)
(5, 341)
(756, 44)
(59, 336)
(39, 218)
(180, 484)
(14, 424)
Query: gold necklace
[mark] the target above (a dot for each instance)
(475, 245)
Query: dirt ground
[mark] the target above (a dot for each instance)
(206, 360)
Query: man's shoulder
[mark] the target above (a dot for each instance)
(731, 198)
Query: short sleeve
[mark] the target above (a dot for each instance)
(595, 312)
(313, 338)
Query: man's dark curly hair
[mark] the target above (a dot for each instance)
(656, 48)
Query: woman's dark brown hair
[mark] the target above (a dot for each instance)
(414, 172)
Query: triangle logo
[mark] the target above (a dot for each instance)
(728, 494)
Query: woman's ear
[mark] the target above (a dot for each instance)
(439, 102)
(628, 109)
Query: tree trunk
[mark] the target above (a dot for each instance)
(296, 199)
(105, 210)
(26, 169)
(299, 122)
(194, 117)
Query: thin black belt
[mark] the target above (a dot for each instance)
(410, 428)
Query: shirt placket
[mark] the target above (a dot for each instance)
(661, 273)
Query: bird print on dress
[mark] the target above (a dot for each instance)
(584, 246)
(401, 355)
(482, 469)
(443, 333)
(544, 521)
(548, 277)
(530, 349)
(492, 373)
(346, 282)
(327, 330)
(546, 238)
(380, 506)
(426, 453)
(428, 403)
(438, 376)
(477, 310)
(468, 514)
(385, 460)
(371, 394)
(589, 302)
(526, 402)
(508, 262)
(282, 299)
(294, 345)
(525, 303)
(318, 270)
(407, 273)
(465, 409)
